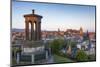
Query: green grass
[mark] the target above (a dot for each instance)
(13, 61)
(60, 59)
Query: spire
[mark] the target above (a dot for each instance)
(87, 34)
(81, 31)
(58, 30)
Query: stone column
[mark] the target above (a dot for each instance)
(46, 54)
(18, 58)
(35, 31)
(32, 31)
(27, 30)
(32, 58)
(39, 30)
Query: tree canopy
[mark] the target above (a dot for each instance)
(81, 56)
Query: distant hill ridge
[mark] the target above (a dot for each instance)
(17, 30)
(23, 30)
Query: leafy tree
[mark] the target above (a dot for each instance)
(15, 50)
(71, 43)
(81, 56)
(56, 45)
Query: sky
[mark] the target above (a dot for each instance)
(62, 16)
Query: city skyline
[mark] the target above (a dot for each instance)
(55, 15)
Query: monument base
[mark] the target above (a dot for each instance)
(34, 50)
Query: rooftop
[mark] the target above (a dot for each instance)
(32, 15)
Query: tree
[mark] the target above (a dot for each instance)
(71, 43)
(15, 50)
(56, 45)
(81, 56)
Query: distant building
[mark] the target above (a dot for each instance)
(81, 31)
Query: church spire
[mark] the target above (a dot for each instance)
(81, 31)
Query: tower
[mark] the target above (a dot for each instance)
(81, 31)
(35, 21)
(33, 46)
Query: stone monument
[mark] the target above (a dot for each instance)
(35, 21)
(33, 45)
